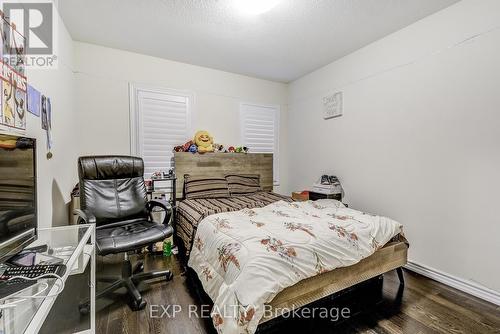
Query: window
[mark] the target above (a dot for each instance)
(160, 120)
(260, 131)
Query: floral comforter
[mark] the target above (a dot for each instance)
(245, 258)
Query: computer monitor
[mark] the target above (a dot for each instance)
(18, 203)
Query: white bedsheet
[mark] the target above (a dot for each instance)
(245, 258)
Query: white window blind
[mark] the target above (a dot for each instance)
(160, 121)
(260, 131)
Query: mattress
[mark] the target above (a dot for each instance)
(191, 212)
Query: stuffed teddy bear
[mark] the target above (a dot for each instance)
(187, 145)
(193, 148)
(241, 149)
(218, 148)
(204, 141)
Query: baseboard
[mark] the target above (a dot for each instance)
(471, 288)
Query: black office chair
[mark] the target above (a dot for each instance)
(113, 196)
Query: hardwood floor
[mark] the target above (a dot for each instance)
(426, 306)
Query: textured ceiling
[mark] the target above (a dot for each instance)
(293, 39)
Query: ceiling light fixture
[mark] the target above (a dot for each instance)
(255, 7)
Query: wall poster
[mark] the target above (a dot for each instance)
(34, 97)
(12, 77)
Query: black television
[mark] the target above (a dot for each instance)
(18, 202)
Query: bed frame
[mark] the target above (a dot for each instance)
(392, 256)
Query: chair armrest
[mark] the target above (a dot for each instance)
(85, 216)
(165, 206)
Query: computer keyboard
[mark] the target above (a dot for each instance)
(33, 271)
(9, 287)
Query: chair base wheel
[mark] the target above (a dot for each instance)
(84, 308)
(139, 268)
(169, 276)
(138, 305)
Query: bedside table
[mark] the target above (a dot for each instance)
(314, 196)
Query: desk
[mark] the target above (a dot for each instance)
(75, 245)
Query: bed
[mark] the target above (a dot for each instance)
(223, 237)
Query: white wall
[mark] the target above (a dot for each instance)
(103, 76)
(57, 176)
(419, 139)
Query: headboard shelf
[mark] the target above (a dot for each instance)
(220, 164)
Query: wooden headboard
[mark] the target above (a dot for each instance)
(220, 164)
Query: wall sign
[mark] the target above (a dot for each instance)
(332, 105)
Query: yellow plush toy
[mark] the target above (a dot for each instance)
(204, 141)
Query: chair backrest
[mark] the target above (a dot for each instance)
(112, 188)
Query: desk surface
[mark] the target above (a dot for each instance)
(27, 315)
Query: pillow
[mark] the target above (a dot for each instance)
(205, 187)
(243, 184)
